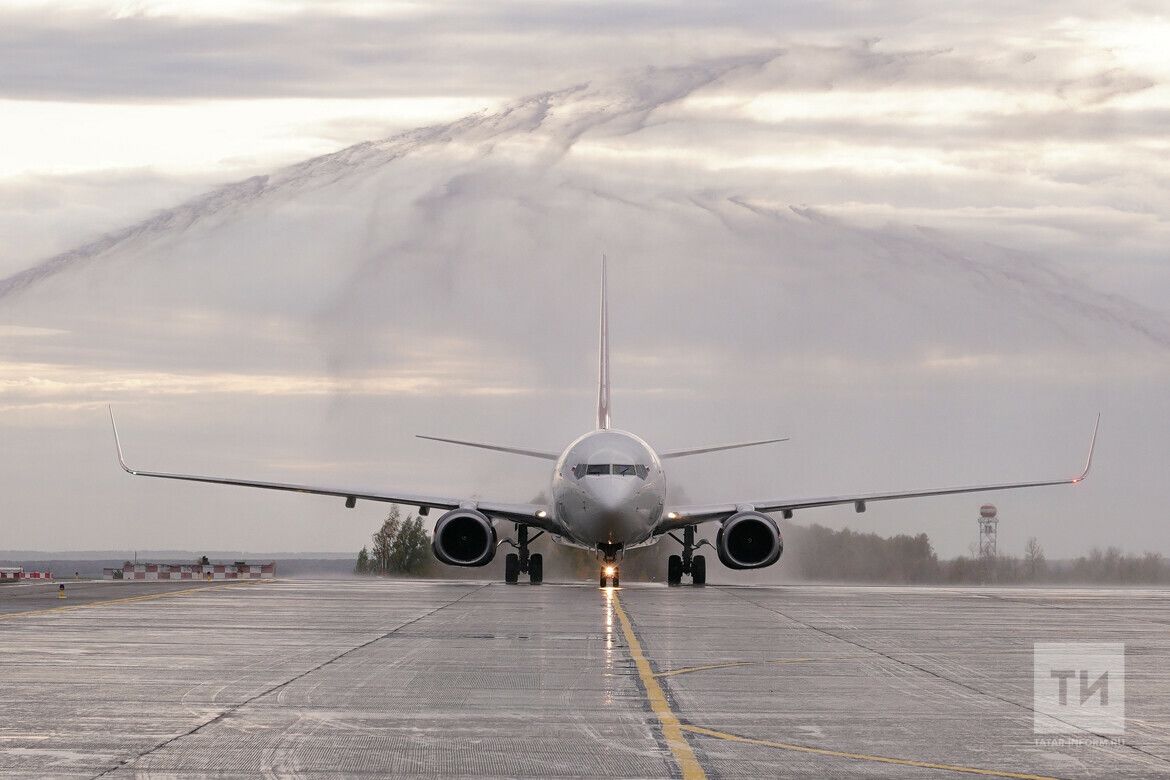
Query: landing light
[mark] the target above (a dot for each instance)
(610, 571)
(672, 515)
(542, 514)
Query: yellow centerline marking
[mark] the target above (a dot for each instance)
(970, 770)
(125, 600)
(672, 729)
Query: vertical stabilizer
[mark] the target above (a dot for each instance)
(603, 358)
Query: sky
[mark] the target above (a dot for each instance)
(926, 242)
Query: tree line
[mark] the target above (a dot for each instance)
(399, 547)
(812, 553)
(823, 554)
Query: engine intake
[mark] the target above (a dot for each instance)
(749, 540)
(464, 537)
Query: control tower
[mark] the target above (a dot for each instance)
(988, 523)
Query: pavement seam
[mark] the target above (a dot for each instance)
(938, 676)
(236, 707)
(970, 770)
(773, 661)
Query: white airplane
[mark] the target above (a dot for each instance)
(608, 495)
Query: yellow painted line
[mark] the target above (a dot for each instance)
(969, 770)
(671, 727)
(126, 600)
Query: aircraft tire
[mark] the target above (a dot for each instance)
(511, 568)
(673, 570)
(699, 570)
(536, 568)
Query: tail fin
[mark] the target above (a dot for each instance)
(603, 358)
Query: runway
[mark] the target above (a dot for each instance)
(460, 679)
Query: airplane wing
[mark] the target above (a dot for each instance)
(681, 516)
(530, 514)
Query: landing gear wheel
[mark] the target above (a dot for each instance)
(699, 570)
(673, 570)
(615, 581)
(604, 580)
(536, 568)
(511, 568)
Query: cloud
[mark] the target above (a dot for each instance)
(464, 48)
(930, 271)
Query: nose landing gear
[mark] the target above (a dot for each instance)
(688, 562)
(523, 563)
(610, 572)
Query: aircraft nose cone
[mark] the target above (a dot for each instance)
(611, 493)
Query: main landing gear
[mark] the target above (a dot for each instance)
(688, 562)
(523, 563)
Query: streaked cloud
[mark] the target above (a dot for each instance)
(928, 242)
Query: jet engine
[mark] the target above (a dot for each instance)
(464, 537)
(749, 540)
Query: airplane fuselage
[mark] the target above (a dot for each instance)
(609, 491)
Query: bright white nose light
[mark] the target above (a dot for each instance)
(610, 571)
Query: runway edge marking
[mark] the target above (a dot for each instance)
(672, 728)
(969, 770)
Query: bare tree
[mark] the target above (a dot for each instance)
(1034, 559)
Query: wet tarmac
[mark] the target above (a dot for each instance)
(412, 678)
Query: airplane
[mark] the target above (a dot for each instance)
(609, 495)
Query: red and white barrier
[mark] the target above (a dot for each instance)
(11, 574)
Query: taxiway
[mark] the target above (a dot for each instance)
(412, 678)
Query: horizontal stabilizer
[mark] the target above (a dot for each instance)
(717, 448)
(513, 450)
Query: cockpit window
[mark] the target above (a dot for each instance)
(620, 469)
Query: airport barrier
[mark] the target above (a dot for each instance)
(193, 571)
(10, 574)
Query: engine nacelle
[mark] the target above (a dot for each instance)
(464, 537)
(749, 540)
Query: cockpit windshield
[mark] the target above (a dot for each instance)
(618, 469)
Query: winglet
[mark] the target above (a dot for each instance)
(118, 444)
(1092, 446)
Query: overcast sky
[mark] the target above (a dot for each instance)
(282, 238)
